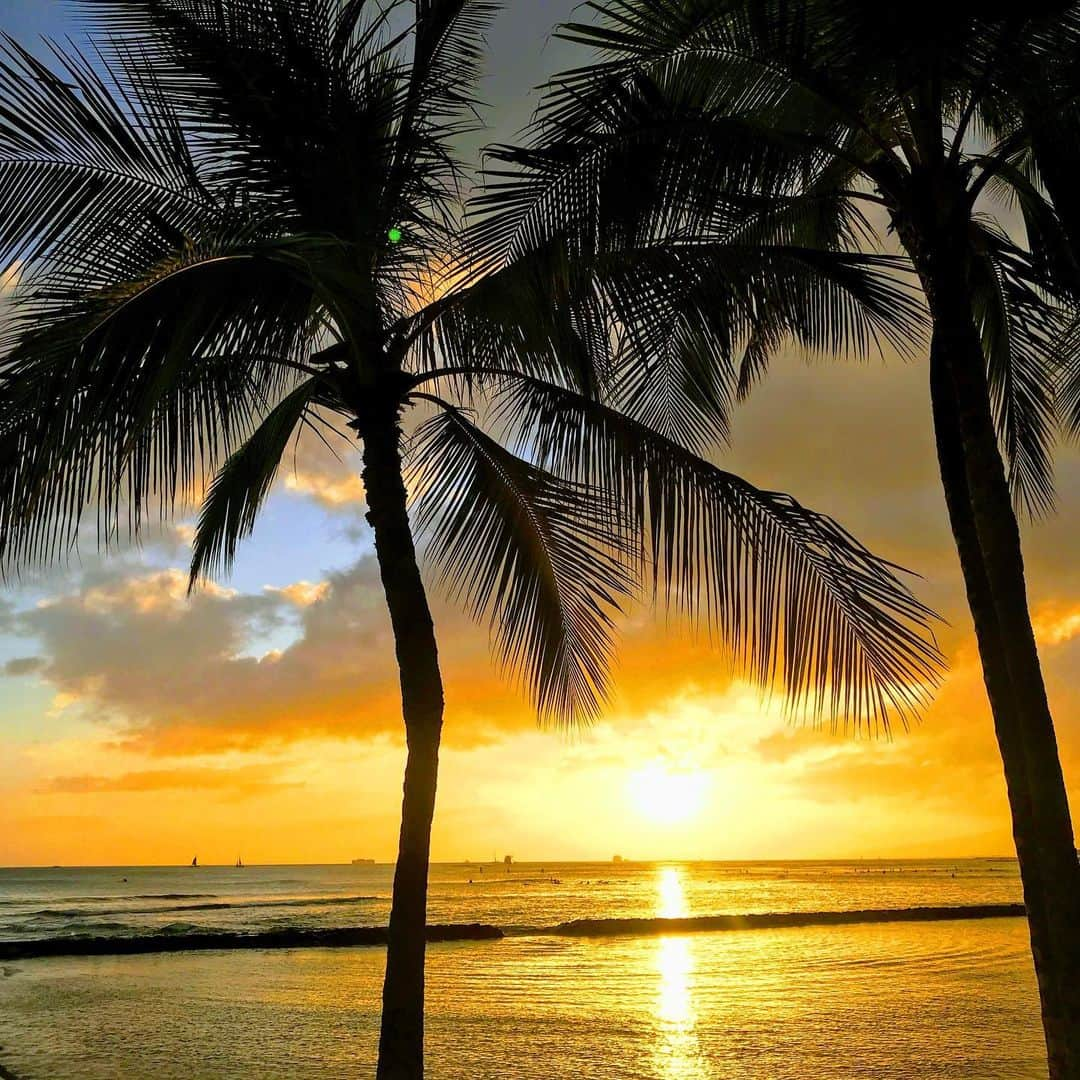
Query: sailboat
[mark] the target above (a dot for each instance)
(239, 863)
(195, 861)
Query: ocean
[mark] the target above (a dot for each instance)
(563, 993)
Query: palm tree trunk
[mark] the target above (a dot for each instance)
(988, 540)
(401, 1040)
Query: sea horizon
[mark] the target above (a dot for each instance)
(599, 861)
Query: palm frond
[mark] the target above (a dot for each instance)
(266, 95)
(1066, 362)
(1020, 326)
(540, 556)
(798, 601)
(123, 396)
(236, 494)
(79, 164)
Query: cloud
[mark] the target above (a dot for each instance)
(326, 471)
(169, 674)
(172, 674)
(1056, 623)
(301, 593)
(162, 592)
(327, 487)
(10, 278)
(238, 782)
(788, 744)
(24, 665)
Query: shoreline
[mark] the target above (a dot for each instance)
(373, 936)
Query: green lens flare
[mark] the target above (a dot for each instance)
(394, 235)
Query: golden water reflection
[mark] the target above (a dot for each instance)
(676, 1051)
(670, 895)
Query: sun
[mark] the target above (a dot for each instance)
(667, 796)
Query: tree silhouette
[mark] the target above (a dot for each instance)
(239, 219)
(948, 134)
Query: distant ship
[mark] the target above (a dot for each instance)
(616, 858)
(195, 861)
(239, 863)
(363, 862)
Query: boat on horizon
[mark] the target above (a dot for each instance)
(195, 861)
(363, 862)
(239, 863)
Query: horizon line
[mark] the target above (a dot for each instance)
(609, 861)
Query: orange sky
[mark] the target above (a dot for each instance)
(146, 728)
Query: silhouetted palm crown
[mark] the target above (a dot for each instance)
(820, 127)
(796, 137)
(240, 218)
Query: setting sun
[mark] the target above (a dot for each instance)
(665, 796)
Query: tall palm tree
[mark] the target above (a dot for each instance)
(237, 219)
(947, 134)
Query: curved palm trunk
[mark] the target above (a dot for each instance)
(401, 1041)
(988, 540)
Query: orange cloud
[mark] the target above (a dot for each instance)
(325, 465)
(171, 674)
(1056, 623)
(10, 278)
(241, 781)
(326, 487)
(301, 593)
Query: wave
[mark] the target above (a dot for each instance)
(134, 896)
(181, 937)
(324, 901)
(774, 920)
(79, 927)
(215, 940)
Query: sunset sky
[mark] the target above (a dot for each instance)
(261, 717)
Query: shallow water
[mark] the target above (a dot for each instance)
(905, 1001)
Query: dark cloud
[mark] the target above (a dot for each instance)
(24, 665)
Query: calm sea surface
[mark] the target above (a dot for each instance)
(942, 999)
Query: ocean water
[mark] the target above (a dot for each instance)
(950, 998)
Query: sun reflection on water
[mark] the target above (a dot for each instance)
(670, 896)
(676, 1052)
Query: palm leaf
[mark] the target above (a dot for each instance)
(122, 397)
(78, 166)
(236, 495)
(1020, 325)
(538, 555)
(799, 602)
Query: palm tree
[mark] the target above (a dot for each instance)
(238, 219)
(949, 137)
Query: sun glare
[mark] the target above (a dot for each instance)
(667, 797)
(676, 1051)
(670, 897)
